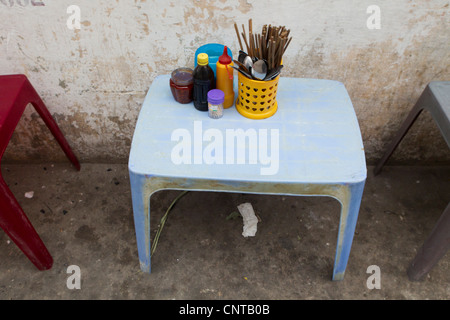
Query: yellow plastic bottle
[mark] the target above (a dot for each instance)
(224, 78)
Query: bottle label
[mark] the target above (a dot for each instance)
(201, 89)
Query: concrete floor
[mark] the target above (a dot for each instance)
(85, 219)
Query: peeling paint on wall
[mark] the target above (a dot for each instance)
(94, 79)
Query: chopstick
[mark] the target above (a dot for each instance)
(245, 38)
(239, 38)
(270, 45)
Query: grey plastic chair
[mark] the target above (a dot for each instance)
(436, 99)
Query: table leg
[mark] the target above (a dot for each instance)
(349, 216)
(433, 249)
(18, 227)
(141, 194)
(407, 124)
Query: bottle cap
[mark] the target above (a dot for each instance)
(202, 59)
(216, 96)
(225, 58)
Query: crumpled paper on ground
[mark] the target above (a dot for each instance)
(250, 220)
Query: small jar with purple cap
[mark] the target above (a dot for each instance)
(216, 98)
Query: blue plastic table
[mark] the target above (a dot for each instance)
(312, 146)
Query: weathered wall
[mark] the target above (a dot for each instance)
(94, 79)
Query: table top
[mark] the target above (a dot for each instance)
(440, 106)
(10, 87)
(441, 90)
(313, 138)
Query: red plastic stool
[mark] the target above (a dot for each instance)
(16, 92)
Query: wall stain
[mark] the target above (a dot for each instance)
(62, 84)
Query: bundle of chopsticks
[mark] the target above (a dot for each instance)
(270, 44)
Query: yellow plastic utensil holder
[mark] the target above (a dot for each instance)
(257, 99)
